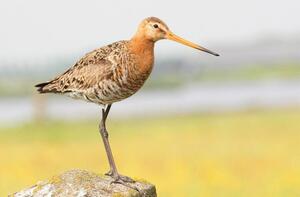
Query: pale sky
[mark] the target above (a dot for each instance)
(37, 29)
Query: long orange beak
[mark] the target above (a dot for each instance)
(176, 38)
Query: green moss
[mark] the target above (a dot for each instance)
(141, 180)
(37, 188)
(131, 193)
(55, 180)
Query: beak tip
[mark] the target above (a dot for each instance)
(213, 53)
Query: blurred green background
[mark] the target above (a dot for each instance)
(201, 125)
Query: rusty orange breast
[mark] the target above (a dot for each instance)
(143, 52)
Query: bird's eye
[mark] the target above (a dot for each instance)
(155, 26)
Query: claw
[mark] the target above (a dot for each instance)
(123, 180)
(109, 173)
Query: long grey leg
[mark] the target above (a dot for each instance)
(113, 172)
(104, 134)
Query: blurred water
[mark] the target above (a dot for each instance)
(192, 98)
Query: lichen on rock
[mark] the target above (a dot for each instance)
(81, 183)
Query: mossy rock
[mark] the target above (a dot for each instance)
(81, 183)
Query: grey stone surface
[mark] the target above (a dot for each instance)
(81, 183)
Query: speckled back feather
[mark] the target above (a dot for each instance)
(103, 76)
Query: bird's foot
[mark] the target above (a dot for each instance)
(109, 173)
(121, 179)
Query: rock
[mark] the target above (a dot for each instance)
(81, 183)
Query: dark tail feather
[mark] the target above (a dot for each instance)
(40, 87)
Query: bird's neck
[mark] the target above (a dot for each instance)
(143, 49)
(139, 44)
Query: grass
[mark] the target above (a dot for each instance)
(281, 71)
(254, 153)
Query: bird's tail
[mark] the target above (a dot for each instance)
(45, 87)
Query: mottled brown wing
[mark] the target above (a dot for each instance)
(87, 72)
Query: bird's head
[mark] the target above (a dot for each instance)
(154, 29)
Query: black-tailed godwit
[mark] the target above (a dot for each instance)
(113, 73)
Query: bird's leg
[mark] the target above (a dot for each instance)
(113, 172)
(104, 135)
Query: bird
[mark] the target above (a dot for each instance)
(113, 73)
